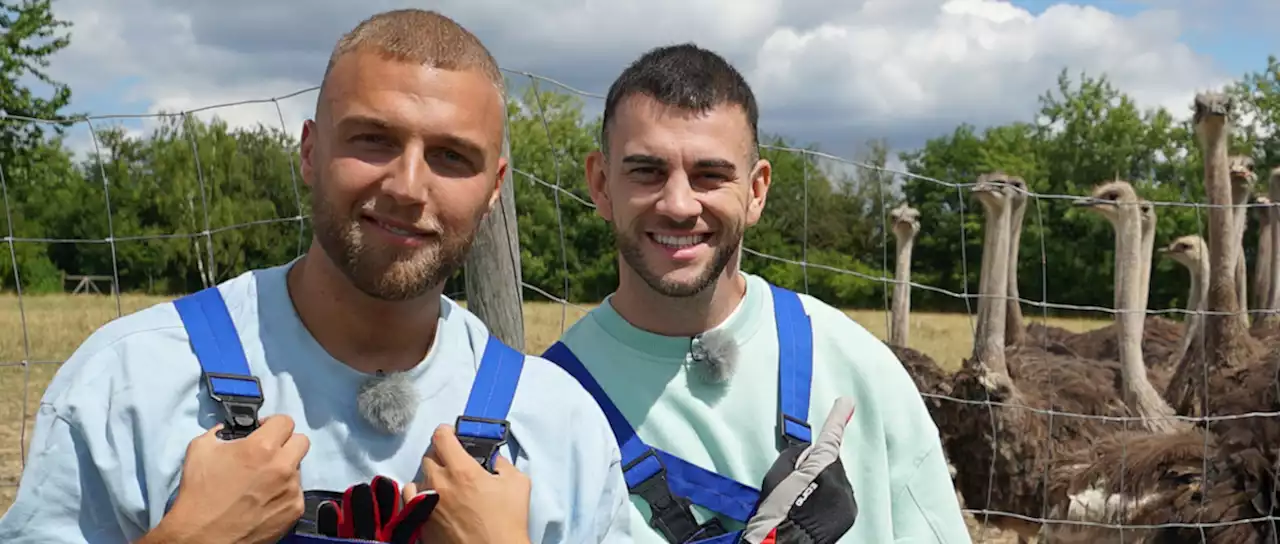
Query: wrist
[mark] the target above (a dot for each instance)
(173, 529)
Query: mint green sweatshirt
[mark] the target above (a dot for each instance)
(891, 448)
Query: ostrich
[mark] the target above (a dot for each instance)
(1007, 449)
(924, 371)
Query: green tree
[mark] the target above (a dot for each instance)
(29, 35)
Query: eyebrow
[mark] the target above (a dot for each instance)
(650, 160)
(465, 145)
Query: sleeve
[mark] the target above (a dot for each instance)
(62, 497)
(615, 508)
(925, 507)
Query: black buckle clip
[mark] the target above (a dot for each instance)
(671, 514)
(240, 413)
(483, 450)
(786, 441)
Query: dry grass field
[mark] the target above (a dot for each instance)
(56, 324)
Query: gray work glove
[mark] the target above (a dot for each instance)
(806, 497)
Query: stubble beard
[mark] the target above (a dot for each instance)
(386, 273)
(630, 246)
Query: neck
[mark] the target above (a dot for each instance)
(1145, 256)
(1240, 197)
(1139, 394)
(1224, 329)
(989, 341)
(365, 333)
(1271, 216)
(1014, 332)
(649, 310)
(902, 293)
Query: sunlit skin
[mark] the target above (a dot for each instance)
(404, 162)
(673, 173)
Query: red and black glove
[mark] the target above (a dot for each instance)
(806, 497)
(374, 511)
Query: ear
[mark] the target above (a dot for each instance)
(597, 173)
(503, 164)
(306, 150)
(761, 178)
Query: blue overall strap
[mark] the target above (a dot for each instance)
(666, 482)
(795, 367)
(483, 428)
(226, 370)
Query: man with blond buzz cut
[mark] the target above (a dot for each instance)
(708, 373)
(241, 413)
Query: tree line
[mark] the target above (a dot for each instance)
(144, 203)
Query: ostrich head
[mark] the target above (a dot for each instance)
(993, 191)
(906, 221)
(1241, 167)
(1187, 250)
(1242, 175)
(1108, 198)
(1148, 212)
(1211, 111)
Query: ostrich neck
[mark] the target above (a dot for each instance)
(1224, 331)
(1262, 275)
(1139, 395)
(1272, 215)
(1240, 197)
(1195, 308)
(1146, 255)
(900, 331)
(988, 346)
(1014, 332)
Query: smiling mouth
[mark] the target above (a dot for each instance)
(679, 242)
(407, 232)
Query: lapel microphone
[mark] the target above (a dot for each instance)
(715, 356)
(388, 401)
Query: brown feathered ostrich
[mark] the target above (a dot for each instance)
(924, 371)
(1123, 477)
(1006, 447)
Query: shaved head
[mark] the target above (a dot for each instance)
(420, 37)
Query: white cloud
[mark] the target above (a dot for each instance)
(835, 71)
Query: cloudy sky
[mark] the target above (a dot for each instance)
(835, 72)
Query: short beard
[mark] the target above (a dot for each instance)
(629, 247)
(385, 274)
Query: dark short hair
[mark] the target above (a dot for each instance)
(683, 76)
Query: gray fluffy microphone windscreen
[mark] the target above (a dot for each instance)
(388, 402)
(715, 356)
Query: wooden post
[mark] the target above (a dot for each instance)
(493, 268)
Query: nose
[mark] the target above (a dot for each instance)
(678, 200)
(407, 181)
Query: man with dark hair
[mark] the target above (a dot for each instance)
(150, 432)
(707, 372)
